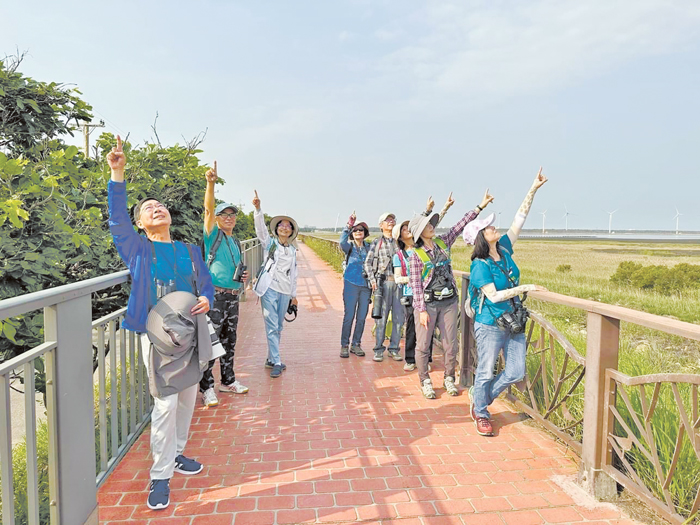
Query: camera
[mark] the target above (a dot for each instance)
(377, 299)
(516, 320)
(238, 273)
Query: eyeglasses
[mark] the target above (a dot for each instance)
(152, 207)
(227, 215)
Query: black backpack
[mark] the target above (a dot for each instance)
(215, 248)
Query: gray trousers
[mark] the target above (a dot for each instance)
(445, 317)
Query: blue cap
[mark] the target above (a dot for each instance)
(221, 207)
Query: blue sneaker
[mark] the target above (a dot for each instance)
(187, 466)
(277, 370)
(159, 495)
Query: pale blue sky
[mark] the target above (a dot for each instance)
(329, 106)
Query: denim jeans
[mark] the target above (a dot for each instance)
(390, 303)
(356, 304)
(490, 339)
(274, 306)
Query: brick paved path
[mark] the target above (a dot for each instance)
(347, 441)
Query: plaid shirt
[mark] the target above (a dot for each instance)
(379, 258)
(416, 265)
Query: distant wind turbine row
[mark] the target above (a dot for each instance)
(610, 218)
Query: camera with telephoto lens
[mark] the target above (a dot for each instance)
(238, 274)
(516, 320)
(377, 299)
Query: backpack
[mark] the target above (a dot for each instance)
(215, 248)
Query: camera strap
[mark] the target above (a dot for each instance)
(511, 281)
(220, 237)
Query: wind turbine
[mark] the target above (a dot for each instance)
(610, 221)
(544, 214)
(336, 223)
(566, 217)
(678, 214)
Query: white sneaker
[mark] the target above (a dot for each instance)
(209, 398)
(427, 389)
(450, 386)
(408, 367)
(233, 388)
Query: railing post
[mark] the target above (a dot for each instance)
(601, 353)
(466, 359)
(69, 323)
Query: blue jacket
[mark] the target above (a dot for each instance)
(356, 262)
(135, 251)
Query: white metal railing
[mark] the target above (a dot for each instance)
(103, 409)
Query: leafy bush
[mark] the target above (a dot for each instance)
(658, 278)
(564, 268)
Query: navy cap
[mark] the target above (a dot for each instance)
(221, 207)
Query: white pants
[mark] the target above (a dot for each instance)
(170, 423)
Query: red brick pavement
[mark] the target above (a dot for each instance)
(346, 441)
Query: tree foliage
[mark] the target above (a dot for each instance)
(32, 112)
(53, 204)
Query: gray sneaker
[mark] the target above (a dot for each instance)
(159, 494)
(277, 370)
(344, 352)
(357, 350)
(450, 386)
(396, 356)
(378, 357)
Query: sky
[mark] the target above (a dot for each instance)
(329, 107)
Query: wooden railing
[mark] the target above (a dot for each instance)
(619, 425)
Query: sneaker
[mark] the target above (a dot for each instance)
(378, 357)
(357, 350)
(483, 426)
(344, 352)
(209, 398)
(409, 367)
(269, 364)
(187, 466)
(159, 494)
(450, 386)
(233, 388)
(277, 370)
(427, 389)
(396, 356)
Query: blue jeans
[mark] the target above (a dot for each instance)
(274, 306)
(490, 339)
(356, 304)
(390, 303)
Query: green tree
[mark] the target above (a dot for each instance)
(32, 112)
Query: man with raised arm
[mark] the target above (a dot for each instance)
(223, 256)
(158, 266)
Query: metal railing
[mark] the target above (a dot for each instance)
(613, 419)
(102, 410)
(612, 427)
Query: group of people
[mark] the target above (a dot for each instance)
(407, 272)
(173, 287)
